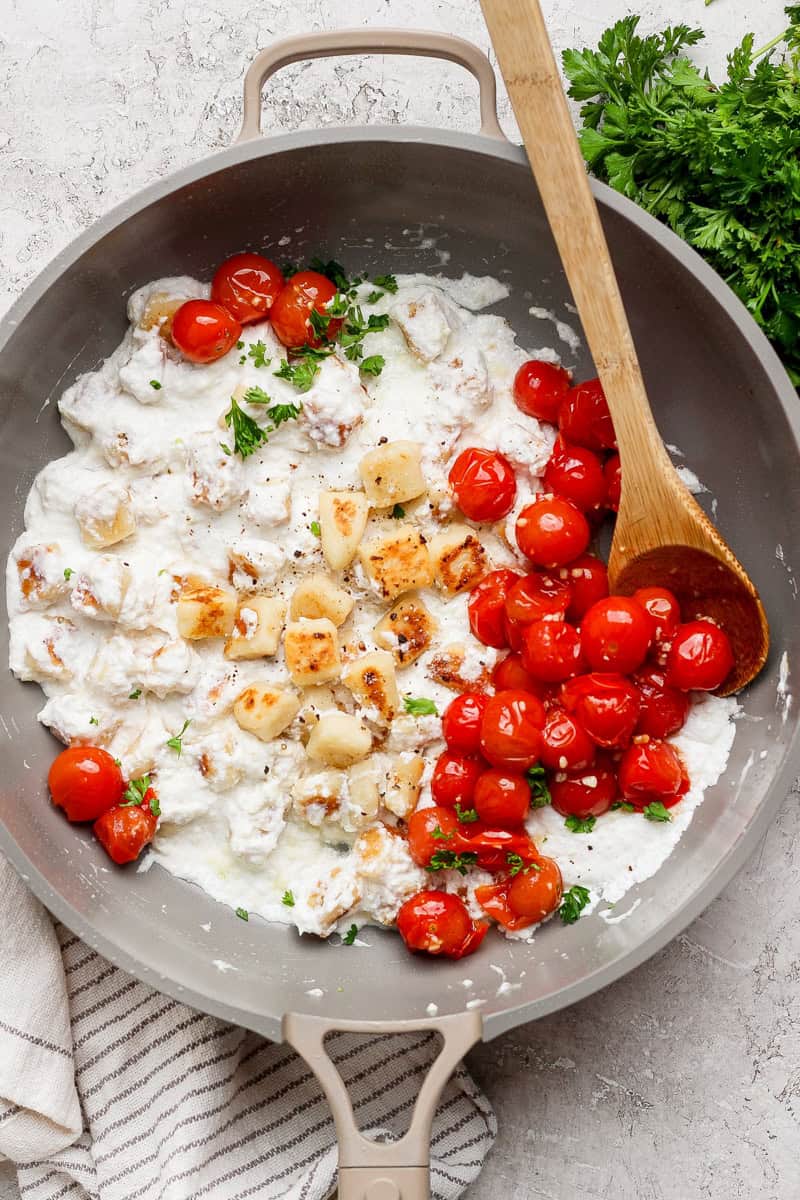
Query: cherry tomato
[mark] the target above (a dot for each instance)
(454, 778)
(664, 709)
(438, 923)
(511, 731)
(536, 892)
(652, 771)
(509, 673)
(566, 746)
(613, 476)
(551, 532)
(616, 634)
(539, 388)
(664, 609)
(291, 310)
(486, 608)
(577, 474)
(551, 651)
(497, 848)
(607, 706)
(85, 781)
(501, 798)
(461, 723)
(423, 827)
(204, 331)
(123, 832)
(514, 633)
(586, 793)
(588, 578)
(538, 595)
(484, 484)
(247, 285)
(700, 657)
(584, 417)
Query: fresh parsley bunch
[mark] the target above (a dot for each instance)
(720, 164)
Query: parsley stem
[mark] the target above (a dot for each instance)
(776, 41)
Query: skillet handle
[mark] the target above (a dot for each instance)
(337, 42)
(383, 1170)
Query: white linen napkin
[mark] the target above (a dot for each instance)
(109, 1090)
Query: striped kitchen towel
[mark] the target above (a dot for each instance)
(110, 1090)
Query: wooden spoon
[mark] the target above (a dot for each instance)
(662, 536)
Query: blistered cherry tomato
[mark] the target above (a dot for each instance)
(577, 474)
(501, 798)
(454, 778)
(247, 285)
(291, 310)
(203, 331)
(607, 706)
(514, 633)
(616, 634)
(537, 891)
(511, 732)
(584, 417)
(588, 579)
(700, 657)
(431, 830)
(539, 388)
(664, 609)
(496, 848)
(586, 793)
(484, 484)
(566, 746)
(509, 673)
(538, 595)
(551, 532)
(664, 709)
(461, 723)
(613, 475)
(486, 607)
(85, 781)
(123, 832)
(438, 923)
(551, 651)
(652, 771)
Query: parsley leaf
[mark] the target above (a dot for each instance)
(247, 434)
(657, 812)
(93, 721)
(135, 791)
(622, 806)
(420, 707)
(279, 413)
(398, 512)
(155, 385)
(256, 395)
(537, 781)
(573, 903)
(243, 914)
(288, 898)
(372, 365)
(350, 936)
(439, 834)
(68, 573)
(316, 528)
(515, 862)
(258, 354)
(302, 372)
(374, 297)
(135, 694)
(466, 815)
(175, 742)
(387, 282)
(155, 807)
(448, 860)
(332, 270)
(580, 824)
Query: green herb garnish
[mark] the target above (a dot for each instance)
(316, 528)
(135, 791)
(448, 860)
(515, 863)
(657, 812)
(622, 806)
(467, 816)
(93, 721)
(155, 385)
(68, 573)
(372, 365)
(573, 903)
(248, 435)
(243, 914)
(175, 743)
(155, 807)
(420, 707)
(580, 824)
(439, 835)
(288, 898)
(387, 282)
(301, 372)
(350, 936)
(135, 694)
(258, 354)
(398, 512)
(537, 781)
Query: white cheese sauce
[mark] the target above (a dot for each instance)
(150, 498)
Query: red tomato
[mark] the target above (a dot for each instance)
(566, 746)
(538, 595)
(551, 651)
(511, 732)
(123, 832)
(486, 608)
(292, 307)
(247, 285)
(524, 899)
(584, 417)
(493, 847)
(539, 388)
(484, 484)
(423, 825)
(652, 771)
(454, 778)
(586, 793)
(607, 706)
(509, 674)
(616, 634)
(461, 723)
(664, 709)
(613, 476)
(664, 610)
(551, 532)
(502, 799)
(588, 578)
(204, 331)
(438, 923)
(577, 474)
(700, 657)
(514, 633)
(85, 781)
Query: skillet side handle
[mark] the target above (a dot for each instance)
(376, 1170)
(335, 43)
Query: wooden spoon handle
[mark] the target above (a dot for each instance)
(520, 39)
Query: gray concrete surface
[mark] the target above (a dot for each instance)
(682, 1081)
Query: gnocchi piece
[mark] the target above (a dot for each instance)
(403, 784)
(327, 901)
(339, 740)
(43, 575)
(461, 670)
(205, 611)
(342, 521)
(396, 562)
(42, 647)
(312, 651)
(459, 559)
(105, 516)
(257, 628)
(406, 631)
(318, 797)
(318, 596)
(99, 591)
(424, 322)
(392, 473)
(365, 781)
(372, 681)
(265, 710)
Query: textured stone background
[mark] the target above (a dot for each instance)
(682, 1081)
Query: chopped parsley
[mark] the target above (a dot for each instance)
(573, 903)
(302, 372)
(387, 282)
(623, 806)
(374, 297)
(350, 936)
(398, 512)
(155, 385)
(240, 345)
(537, 781)
(68, 573)
(420, 707)
(448, 860)
(155, 807)
(315, 528)
(175, 742)
(135, 792)
(93, 721)
(580, 824)
(288, 269)
(280, 413)
(258, 354)
(372, 365)
(657, 812)
(247, 433)
(515, 863)
(256, 395)
(439, 835)
(288, 898)
(466, 815)
(332, 270)
(243, 914)
(135, 694)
